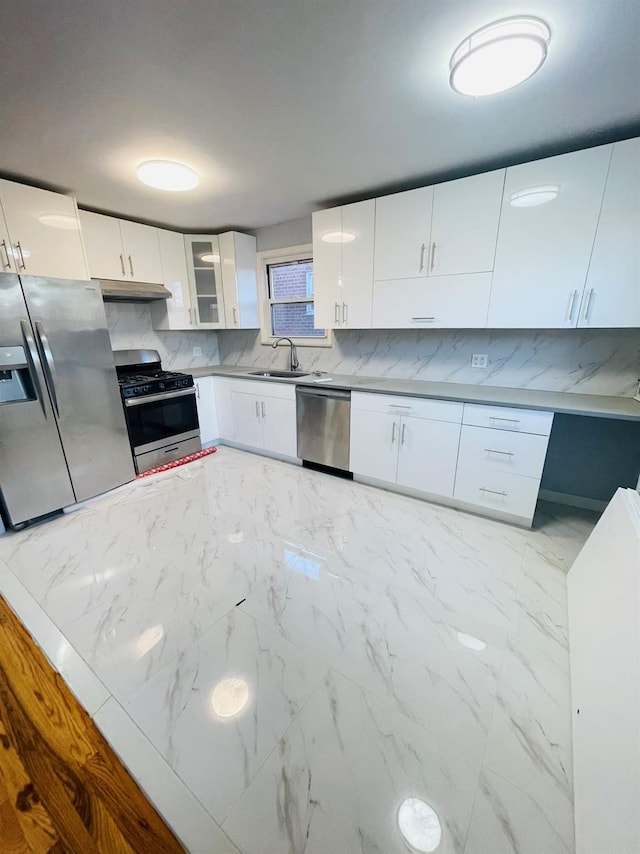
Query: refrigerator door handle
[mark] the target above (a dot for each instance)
(30, 344)
(48, 364)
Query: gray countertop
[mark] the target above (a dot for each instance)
(569, 403)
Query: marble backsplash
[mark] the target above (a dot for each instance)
(588, 361)
(130, 327)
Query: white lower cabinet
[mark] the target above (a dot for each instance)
(207, 412)
(264, 416)
(500, 467)
(400, 441)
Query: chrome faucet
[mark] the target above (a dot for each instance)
(294, 364)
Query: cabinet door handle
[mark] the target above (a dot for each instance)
(422, 248)
(587, 310)
(130, 264)
(345, 314)
(504, 453)
(404, 427)
(497, 418)
(433, 257)
(7, 263)
(124, 272)
(197, 391)
(22, 265)
(393, 433)
(336, 316)
(572, 305)
(492, 491)
(263, 410)
(257, 410)
(235, 315)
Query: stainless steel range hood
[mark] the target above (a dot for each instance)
(113, 291)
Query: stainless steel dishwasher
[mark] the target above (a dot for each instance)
(324, 426)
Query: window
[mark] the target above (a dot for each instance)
(287, 297)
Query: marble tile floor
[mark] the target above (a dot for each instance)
(283, 658)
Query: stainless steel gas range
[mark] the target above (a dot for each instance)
(159, 407)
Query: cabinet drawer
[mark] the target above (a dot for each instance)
(260, 388)
(502, 418)
(502, 491)
(416, 407)
(486, 450)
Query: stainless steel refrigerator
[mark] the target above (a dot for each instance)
(63, 436)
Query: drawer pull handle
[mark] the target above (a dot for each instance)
(398, 406)
(492, 491)
(497, 418)
(494, 451)
(426, 319)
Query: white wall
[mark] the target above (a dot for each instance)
(296, 232)
(130, 327)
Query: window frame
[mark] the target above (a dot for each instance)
(283, 256)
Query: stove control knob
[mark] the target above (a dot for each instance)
(161, 386)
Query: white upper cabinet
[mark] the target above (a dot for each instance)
(327, 267)
(343, 266)
(445, 302)
(7, 261)
(402, 234)
(239, 280)
(174, 313)
(612, 293)
(543, 250)
(357, 264)
(464, 228)
(103, 245)
(205, 279)
(43, 232)
(121, 250)
(141, 251)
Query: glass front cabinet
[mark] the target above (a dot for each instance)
(205, 280)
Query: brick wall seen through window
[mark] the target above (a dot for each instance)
(291, 300)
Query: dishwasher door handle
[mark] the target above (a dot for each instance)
(337, 394)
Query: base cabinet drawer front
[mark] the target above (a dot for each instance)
(436, 302)
(428, 454)
(486, 450)
(373, 450)
(503, 418)
(261, 388)
(416, 407)
(501, 491)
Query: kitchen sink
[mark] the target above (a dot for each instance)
(282, 374)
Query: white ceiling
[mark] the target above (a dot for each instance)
(283, 105)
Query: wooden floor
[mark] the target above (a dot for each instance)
(62, 789)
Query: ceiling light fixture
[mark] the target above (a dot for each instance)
(167, 175)
(531, 197)
(419, 825)
(499, 56)
(338, 237)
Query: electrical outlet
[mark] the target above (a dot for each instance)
(197, 351)
(479, 360)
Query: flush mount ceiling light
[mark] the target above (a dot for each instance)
(531, 197)
(338, 237)
(499, 56)
(419, 825)
(167, 175)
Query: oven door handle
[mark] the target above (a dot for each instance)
(163, 395)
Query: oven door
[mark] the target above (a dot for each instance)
(160, 419)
